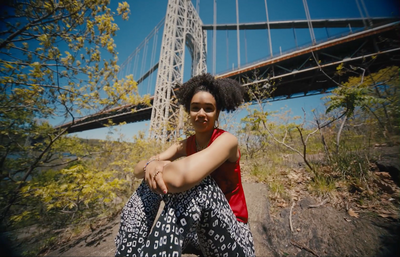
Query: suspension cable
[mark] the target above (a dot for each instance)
(214, 57)
(238, 33)
(310, 27)
(144, 58)
(366, 13)
(361, 13)
(152, 61)
(198, 7)
(268, 28)
(227, 49)
(245, 46)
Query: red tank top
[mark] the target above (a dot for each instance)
(228, 178)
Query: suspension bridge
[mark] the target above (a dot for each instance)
(365, 43)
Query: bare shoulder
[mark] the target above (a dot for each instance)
(229, 143)
(226, 140)
(228, 137)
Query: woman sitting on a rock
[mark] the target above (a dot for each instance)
(205, 207)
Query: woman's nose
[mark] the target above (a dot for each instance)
(202, 112)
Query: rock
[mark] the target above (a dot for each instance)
(392, 166)
(304, 203)
(387, 188)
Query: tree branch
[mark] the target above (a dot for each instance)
(304, 149)
(18, 32)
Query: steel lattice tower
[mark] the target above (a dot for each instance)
(183, 27)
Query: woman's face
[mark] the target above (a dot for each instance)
(203, 111)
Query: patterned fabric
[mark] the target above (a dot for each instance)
(200, 217)
(228, 178)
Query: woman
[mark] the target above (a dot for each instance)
(205, 208)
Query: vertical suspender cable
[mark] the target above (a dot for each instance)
(238, 33)
(361, 13)
(295, 38)
(144, 58)
(227, 49)
(269, 31)
(327, 32)
(152, 61)
(135, 65)
(214, 59)
(366, 13)
(310, 27)
(245, 46)
(127, 70)
(198, 7)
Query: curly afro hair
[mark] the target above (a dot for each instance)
(228, 93)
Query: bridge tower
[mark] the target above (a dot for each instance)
(183, 27)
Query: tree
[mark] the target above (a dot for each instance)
(377, 94)
(58, 60)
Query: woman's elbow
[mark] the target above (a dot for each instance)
(175, 182)
(175, 185)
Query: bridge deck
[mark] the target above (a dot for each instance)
(302, 24)
(292, 73)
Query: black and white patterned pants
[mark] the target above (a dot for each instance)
(200, 217)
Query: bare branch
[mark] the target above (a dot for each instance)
(303, 247)
(58, 164)
(318, 205)
(304, 150)
(320, 68)
(290, 216)
(281, 142)
(310, 134)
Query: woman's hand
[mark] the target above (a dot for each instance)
(154, 176)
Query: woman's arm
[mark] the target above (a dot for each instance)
(174, 152)
(183, 174)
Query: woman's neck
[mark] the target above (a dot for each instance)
(203, 138)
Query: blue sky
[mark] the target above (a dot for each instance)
(254, 45)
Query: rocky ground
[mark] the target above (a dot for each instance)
(305, 225)
(302, 230)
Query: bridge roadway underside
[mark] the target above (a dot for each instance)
(298, 73)
(126, 113)
(290, 75)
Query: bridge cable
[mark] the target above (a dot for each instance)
(134, 54)
(198, 7)
(268, 28)
(214, 57)
(362, 15)
(135, 65)
(238, 33)
(152, 61)
(144, 58)
(245, 46)
(310, 27)
(227, 50)
(366, 13)
(295, 37)
(127, 70)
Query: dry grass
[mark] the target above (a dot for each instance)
(351, 180)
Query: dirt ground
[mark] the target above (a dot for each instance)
(318, 231)
(304, 226)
